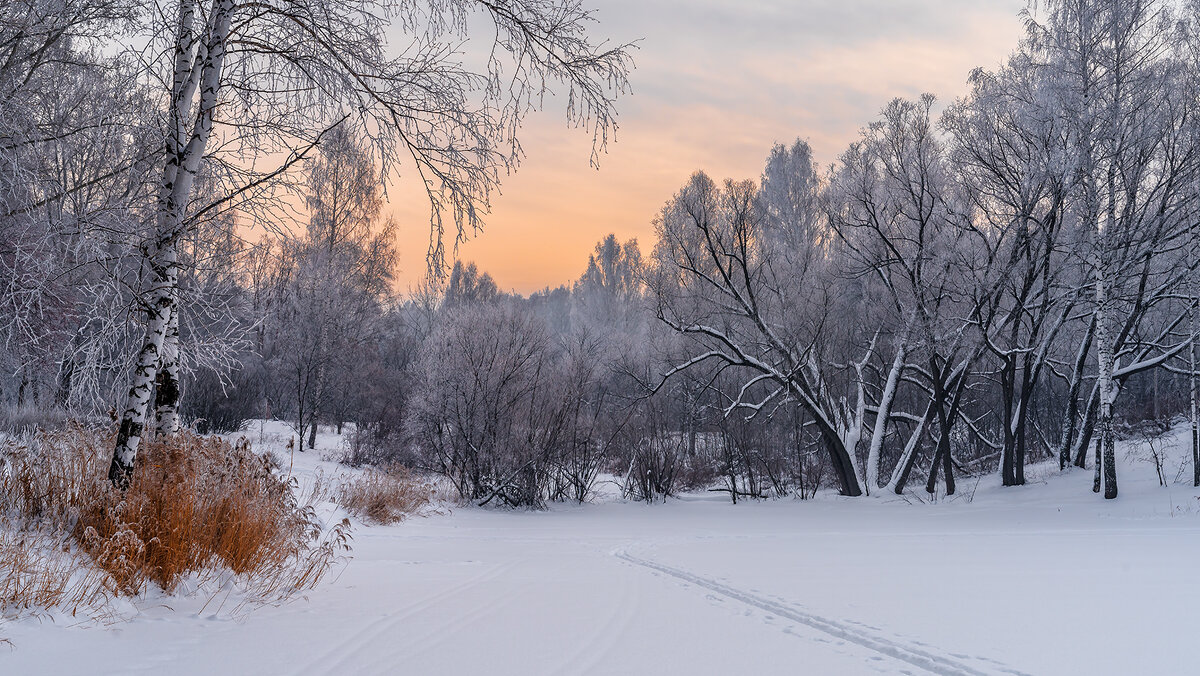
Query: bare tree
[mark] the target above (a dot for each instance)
(1007, 148)
(715, 279)
(247, 81)
(903, 221)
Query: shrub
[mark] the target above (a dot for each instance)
(49, 478)
(193, 502)
(375, 445)
(655, 471)
(386, 496)
(194, 505)
(507, 414)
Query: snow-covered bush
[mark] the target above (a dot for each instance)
(509, 415)
(654, 471)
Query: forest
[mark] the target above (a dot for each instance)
(212, 373)
(973, 285)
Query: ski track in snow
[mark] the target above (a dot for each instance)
(910, 654)
(339, 658)
(389, 654)
(589, 656)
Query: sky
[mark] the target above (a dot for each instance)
(717, 83)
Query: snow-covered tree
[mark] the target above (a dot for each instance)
(247, 82)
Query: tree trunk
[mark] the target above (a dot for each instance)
(1084, 441)
(1194, 405)
(1106, 469)
(1021, 441)
(166, 384)
(948, 465)
(884, 411)
(318, 401)
(62, 395)
(1020, 437)
(905, 465)
(66, 374)
(164, 270)
(843, 464)
(943, 459)
(1070, 417)
(23, 387)
(1105, 441)
(942, 455)
(1008, 452)
(185, 149)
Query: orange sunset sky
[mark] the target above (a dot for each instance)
(717, 83)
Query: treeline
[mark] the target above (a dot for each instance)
(963, 292)
(1006, 281)
(968, 289)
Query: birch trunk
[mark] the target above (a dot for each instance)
(1194, 405)
(1105, 434)
(164, 271)
(183, 155)
(1106, 441)
(167, 383)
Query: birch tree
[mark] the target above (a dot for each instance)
(248, 82)
(1117, 80)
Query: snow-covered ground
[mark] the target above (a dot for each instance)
(1044, 579)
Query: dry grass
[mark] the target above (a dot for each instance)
(36, 574)
(194, 502)
(51, 477)
(195, 506)
(386, 495)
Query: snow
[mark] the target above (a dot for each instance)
(1047, 578)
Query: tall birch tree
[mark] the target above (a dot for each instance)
(248, 85)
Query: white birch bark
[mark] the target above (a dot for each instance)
(167, 383)
(179, 173)
(1193, 402)
(1105, 440)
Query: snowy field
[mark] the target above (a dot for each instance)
(1046, 579)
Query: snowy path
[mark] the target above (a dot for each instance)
(1045, 579)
